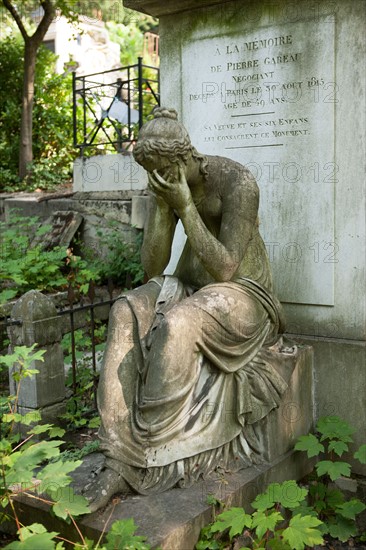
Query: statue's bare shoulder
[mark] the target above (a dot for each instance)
(234, 186)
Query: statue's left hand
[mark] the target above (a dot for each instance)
(174, 191)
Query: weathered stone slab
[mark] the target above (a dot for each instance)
(64, 225)
(108, 173)
(312, 203)
(280, 430)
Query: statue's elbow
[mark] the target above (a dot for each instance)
(225, 275)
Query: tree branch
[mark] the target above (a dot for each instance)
(49, 12)
(9, 6)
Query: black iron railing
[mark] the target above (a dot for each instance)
(73, 310)
(110, 107)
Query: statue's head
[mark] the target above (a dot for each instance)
(162, 141)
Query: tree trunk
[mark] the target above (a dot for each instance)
(26, 145)
(31, 45)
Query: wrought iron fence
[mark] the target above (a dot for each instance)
(72, 311)
(75, 311)
(110, 107)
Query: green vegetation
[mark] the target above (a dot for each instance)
(288, 516)
(121, 262)
(53, 152)
(25, 267)
(37, 468)
(23, 468)
(81, 410)
(45, 118)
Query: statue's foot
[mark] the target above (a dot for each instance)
(99, 491)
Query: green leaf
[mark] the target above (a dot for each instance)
(343, 529)
(208, 545)
(234, 519)
(318, 490)
(34, 529)
(121, 535)
(302, 532)
(34, 537)
(11, 417)
(30, 417)
(40, 429)
(334, 497)
(54, 431)
(94, 422)
(263, 502)
(334, 469)
(339, 447)
(69, 503)
(305, 510)
(5, 446)
(25, 461)
(333, 427)
(351, 508)
(289, 494)
(310, 444)
(263, 523)
(361, 454)
(277, 543)
(54, 475)
(7, 295)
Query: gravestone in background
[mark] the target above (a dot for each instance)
(280, 87)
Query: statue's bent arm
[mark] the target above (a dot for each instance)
(158, 237)
(222, 256)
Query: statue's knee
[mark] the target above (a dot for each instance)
(120, 320)
(177, 326)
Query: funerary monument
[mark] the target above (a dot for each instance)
(183, 349)
(276, 88)
(279, 86)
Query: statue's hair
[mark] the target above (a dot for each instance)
(176, 145)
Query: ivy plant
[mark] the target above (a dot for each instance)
(329, 444)
(289, 516)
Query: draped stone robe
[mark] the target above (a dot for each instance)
(187, 378)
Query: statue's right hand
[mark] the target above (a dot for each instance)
(159, 200)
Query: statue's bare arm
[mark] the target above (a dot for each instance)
(158, 236)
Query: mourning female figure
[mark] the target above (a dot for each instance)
(187, 374)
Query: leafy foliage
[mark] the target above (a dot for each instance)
(361, 454)
(288, 516)
(52, 120)
(81, 410)
(25, 267)
(302, 531)
(23, 468)
(122, 535)
(34, 467)
(121, 261)
(235, 520)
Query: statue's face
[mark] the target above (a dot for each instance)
(165, 167)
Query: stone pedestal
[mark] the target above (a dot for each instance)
(40, 325)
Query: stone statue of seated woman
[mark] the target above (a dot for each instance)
(187, 372)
